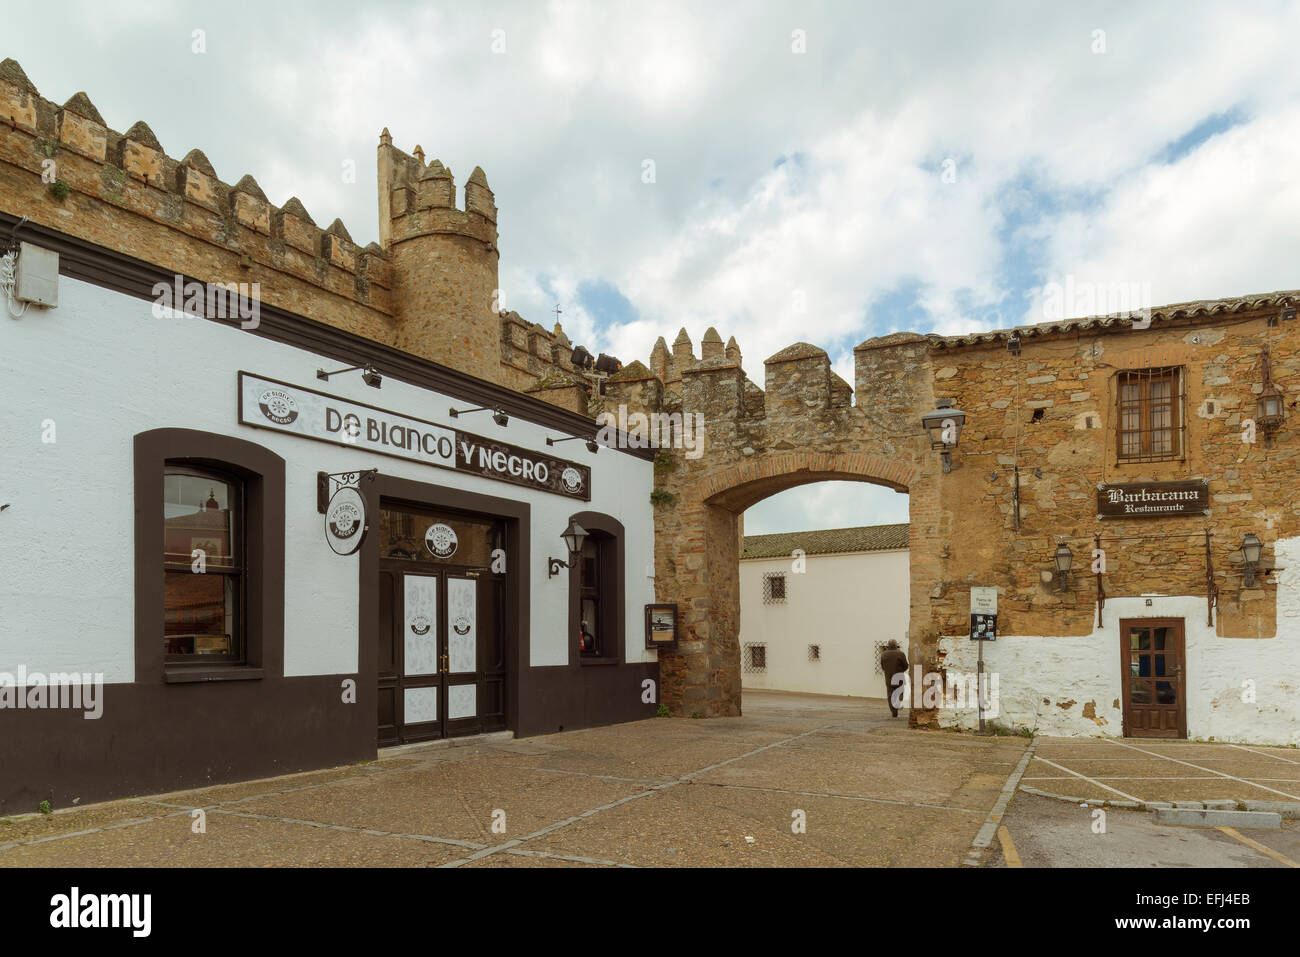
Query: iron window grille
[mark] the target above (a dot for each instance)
(1151, 423)
(774, 588)
(814, 652)
(755, 658)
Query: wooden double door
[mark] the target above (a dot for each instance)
(1155, 680)
(442, 644)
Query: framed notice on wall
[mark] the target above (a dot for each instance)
(661, 626)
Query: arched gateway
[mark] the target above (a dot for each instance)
(802, 427)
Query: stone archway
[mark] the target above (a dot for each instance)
(801, 428)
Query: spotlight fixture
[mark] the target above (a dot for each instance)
(592, 445)
(498, 415)
(573, 537)
(1288, 313)
(368, 374)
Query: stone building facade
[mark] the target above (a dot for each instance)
(1051, 414)
(1042, 403)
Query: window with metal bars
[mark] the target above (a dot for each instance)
(1150, 420)
(774, 589)
(755, 658)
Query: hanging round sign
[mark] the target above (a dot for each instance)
(440, 540)
(571, 478)
(345, 521)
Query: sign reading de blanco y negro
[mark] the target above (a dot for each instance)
(270, 404)
(1153, 499)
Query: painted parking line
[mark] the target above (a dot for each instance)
(1242, 747)
(1009, 852)
(1222, 774)
(1280, 858)
(1093, 781)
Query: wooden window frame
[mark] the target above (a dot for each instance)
(613, 616)
(263, 475)
(1145, 408)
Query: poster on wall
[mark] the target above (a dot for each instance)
(421, 633)
(462, 612)
(983, 627)
(661, 626)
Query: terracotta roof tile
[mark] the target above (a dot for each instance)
(864, 538)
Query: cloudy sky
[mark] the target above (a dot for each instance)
(824, 172)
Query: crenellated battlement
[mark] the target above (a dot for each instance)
(416, 199)
(800, 389)
(125, 192)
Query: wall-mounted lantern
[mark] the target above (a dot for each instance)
(1251, 548)
(573, 537)
(498, 415)
(1064, 559)
(1013, 343)
(1272, 402)
(368, 374)
(944, 425)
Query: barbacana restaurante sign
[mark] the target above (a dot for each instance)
(270, 404)
(1154, 499)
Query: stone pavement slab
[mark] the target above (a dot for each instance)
(659, 792)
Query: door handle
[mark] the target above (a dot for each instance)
(446, 665)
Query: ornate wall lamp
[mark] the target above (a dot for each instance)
(1064, 559)
(573, 537)
(1251, 548)
(368, 374)
(1272, 402)
(498, 415)
(944, 425)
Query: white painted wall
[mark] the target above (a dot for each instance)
(102, 368)
(1086, 670)
(845, 603)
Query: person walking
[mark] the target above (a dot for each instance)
(893, 662)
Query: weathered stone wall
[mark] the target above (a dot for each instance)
(1051, 409)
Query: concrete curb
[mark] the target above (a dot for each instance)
(986, 833)
(1190, 817)
(1285, 810)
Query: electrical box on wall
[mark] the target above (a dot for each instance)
(36, 280)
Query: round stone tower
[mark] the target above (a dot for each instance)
(444, 261)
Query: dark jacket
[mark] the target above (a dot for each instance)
(892, 661)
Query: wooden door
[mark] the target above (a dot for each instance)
(1153, 657)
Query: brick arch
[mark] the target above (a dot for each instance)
(738, 487)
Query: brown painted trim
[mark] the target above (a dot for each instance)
(599, 522)
(264, 519)
(518, 522)
(110, 269)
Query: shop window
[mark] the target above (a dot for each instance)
(1150, 418)
(209, 558)
(597, 616)
(204, 565)
(774, 588)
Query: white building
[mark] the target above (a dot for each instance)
(170, 532)
(816, 608)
